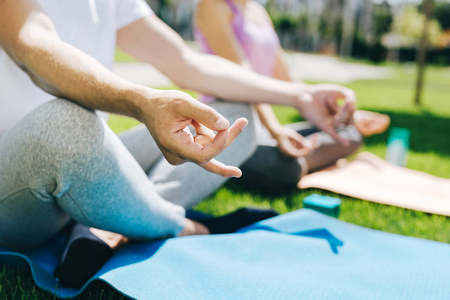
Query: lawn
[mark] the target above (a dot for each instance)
(429, 152)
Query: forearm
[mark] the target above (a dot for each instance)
(151, 41)
(218, 77)
(64, 71)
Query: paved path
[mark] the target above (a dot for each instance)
(305, 66)
(142, 73)
(330, 69)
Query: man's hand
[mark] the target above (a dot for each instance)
(168, 116)
(293, 144)
(321, 105)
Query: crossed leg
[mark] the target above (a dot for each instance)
(62, 161)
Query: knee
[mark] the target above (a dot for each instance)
(60, 128)
(53, 139)
(269, 168)
(64, 124)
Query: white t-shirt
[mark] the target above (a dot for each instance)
(89, 25)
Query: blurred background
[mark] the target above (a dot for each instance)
(374, 30)
(395, 54)
(377, 48)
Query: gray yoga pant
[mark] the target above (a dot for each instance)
(62, 161)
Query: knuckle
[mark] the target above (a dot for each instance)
(202, 159)
(203, 162)
(174, 160)
(197, 160)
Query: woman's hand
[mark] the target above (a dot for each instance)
(293, 144)
(167, 116)
(321, 105)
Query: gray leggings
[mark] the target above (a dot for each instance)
(62, 161)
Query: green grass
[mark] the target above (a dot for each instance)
(120, 56)
(429, 152)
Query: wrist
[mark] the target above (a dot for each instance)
(276, 131)
(133, 99)
(142, 101)
(302, 95)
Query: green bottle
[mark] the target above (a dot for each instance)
(397, 146)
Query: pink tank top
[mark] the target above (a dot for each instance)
(259, 43)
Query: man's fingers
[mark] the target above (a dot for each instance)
(211, 149)
(220, 141)
(173, 159)
(217, 167)
(201, 129)
(236, 129)
(224, 138)
(203, 134)
(205, 115)
(205, 146)
(221, 169)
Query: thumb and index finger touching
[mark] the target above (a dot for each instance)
(206, 120)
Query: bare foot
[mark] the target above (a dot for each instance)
(193, 228)
(113, 240)
(369, 123)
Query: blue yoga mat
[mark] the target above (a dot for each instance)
(299, 255)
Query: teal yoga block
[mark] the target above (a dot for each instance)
(327, 205)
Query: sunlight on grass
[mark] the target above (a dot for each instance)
(429, 152)
(121, 123)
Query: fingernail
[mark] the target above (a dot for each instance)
(238, 175)
(222, 123)
(243, 126)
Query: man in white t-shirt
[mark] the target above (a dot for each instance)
(89, 26)
(59, 160)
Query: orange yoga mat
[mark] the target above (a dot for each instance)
(371, 178)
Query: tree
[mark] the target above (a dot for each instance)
(442, 14)
(409, 25)
(422, 49)
(382, 21)
(347, 28)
